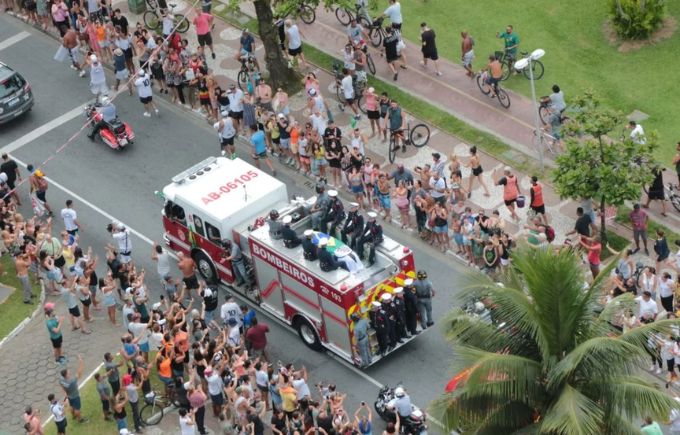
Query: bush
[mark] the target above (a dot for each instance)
(636, 19)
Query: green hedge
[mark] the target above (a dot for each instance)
(636, 19)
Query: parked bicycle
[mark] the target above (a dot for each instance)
(154, 408)
(152, 19)
(249, 74)
(546, 141)
(303, 11)
(498, 92)
(508, 65)
(345, 15)
(418, 136)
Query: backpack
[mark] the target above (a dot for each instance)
(550, 233)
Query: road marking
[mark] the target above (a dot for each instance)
(45, 128)
(14, 39)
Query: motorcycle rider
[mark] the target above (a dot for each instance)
(335, 213)
(108, 112)
(310, 252)
(290, 238)
(411, 306)
(402, 403)
(372, 234)
(354, 225)
(425, 293)
(275, 227)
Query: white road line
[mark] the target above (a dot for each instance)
(45, 128)
(14, 39)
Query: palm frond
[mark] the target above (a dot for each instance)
(640, 335)
(573, 414)
(634, 397)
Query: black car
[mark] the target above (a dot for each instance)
(16, 97)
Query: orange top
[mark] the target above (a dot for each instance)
(101, 33)
(294, 135)
(538, 195)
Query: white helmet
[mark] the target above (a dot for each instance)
(399, 392)
(141, 73)
(105, 100)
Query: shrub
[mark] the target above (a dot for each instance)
(636, 19)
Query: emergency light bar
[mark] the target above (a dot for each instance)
(195, 170)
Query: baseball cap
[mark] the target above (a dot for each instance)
(93, 57)
(127, 379)
(311, 92)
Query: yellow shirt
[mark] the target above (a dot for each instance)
(289, 398)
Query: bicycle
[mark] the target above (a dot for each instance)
(508, 64)
(249, 73)
(500, 94)
(154, 408)
(361, 45)
(153, 21)
(345, 15)
(418, 136)
(357, 84)
(671, 192)
(305, 12)
(545, 140)
(376, 32)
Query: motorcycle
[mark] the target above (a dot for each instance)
(116, 134)
(414, 424)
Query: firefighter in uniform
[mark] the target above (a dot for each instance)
(354, 225)
(361, 336)
(290, 238)
(400, 309)
(318, 210)
(425, 293)
(335, 213)
(326, 260)
(275, 226)
(379, 323)
(309, 249)
(411, 307)
(372, 234)
(391, 312)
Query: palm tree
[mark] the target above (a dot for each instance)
(551, 362)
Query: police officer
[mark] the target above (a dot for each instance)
(354, 225)
(411, 306)
(335, 213)
(290, 238)
(309, 249)
(400, 311)
(275, 226)
(361, 336)
(386, 300)
(379, 323)
(326, 260)
(425, 293)
(318, 210)
(372, 234)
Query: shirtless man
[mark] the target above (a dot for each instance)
(263, 95)
(70, 42)
(467, 53)
(22, 263)
(188, 268)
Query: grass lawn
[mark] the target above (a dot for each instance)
(578, 56)
(13, 310)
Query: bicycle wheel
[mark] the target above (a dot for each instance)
(181, 23)
(483, 86)
(361, 102)
(505, 66)
(370, 64)
(152, 413)
(338, 92)
(307, 14)
(153, 4)
(151, 20)
(543, 114)
(503, 98)
(419, 135)
(375, 35)
(538, 70)
(343, 15)
(364, 22)
(393, 149)
(242, 80)
(675, 200)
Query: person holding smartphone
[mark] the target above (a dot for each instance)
(363, 419)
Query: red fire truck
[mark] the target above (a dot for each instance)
(220, 199)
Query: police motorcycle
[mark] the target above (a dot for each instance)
(414, 424)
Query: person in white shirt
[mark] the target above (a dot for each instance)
(294, 37)
(187, 426)
(666, 291)
(300, 384)
(168, 23)
(57, 410)
(235, 97)
(143, 84)
(637, 134)
(162, 259)
(647, 308)
(234, 335)
(318, 121)
(122, 236)
(347, 85)
(226, 131)
(230, 310)
(674, 418)
(70, 218)
(393, 12)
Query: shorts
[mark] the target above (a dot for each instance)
(262, 155)
(491, 81)
(396, 26)
(640, 233)
(75, 311)
(86, 302)
(509, 202)
(391, 59)
(539, 209)
(349, 101)
(106, 405)
(227, 141)
(124, 257)
(191, 282)
(145, 100)
(295, 51)
(128, 53)
(123, 74)
(432, 55)
(144, 347)
(385, 201)
(74, 403)
(373, 114)
(166, 381)
(477, 171)
(60, 261)
(73, 232)
(56, 342)
(204, 40)
(358, 189)
(61, 425)
(458, 238)
(236, 115)
(442, 229)
(217, 399)
(99, 88)
(468, 58)
(285, 143)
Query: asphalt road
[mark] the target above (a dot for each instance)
(122, 185)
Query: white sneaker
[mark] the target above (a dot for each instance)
(157, 112)
(81, 73)
(147, 114)
(658, 371)
(73, 67)
(651, 368)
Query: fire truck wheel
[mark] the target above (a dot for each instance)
(307, 333)
(205, 267)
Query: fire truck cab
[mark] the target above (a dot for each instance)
(220, 199)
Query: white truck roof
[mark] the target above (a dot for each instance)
(225, 191)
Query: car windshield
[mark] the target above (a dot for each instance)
(10, 85)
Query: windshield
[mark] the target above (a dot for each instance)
(10, 85)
